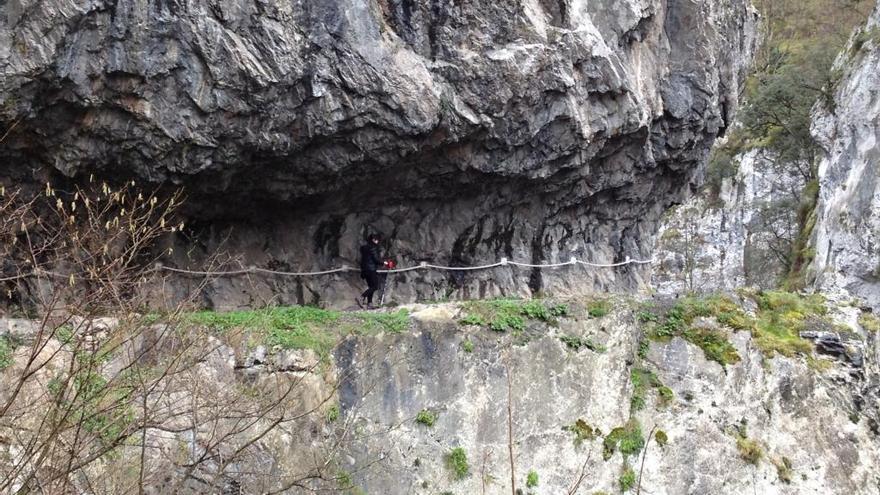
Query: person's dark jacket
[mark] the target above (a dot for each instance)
(371, 258)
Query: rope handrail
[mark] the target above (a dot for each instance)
(422, 266)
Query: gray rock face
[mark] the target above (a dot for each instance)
(739, 239)
(358, 413)
(848, 215)
(465, 132)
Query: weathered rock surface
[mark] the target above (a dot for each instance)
(847, 218)
(364, 405)
(465, 132)
(741, 238)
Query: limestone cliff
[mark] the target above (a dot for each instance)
(464, 132)
(847, 219)
(740, 238)
(591, 396)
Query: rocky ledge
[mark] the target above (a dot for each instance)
(466, 132)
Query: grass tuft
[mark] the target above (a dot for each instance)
(426, 417)
(627, 439)
(502, 315)
(456, 461)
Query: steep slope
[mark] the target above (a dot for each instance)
(534, 130)
(587, 393)
(847, 218)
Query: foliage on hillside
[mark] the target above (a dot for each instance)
(793, 70)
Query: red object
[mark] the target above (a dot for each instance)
(390, 264)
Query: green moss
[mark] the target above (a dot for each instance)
(678, 322)
(597, 308)
(627, 439)
(344, 480)
(749, 450)
(802, 253)
(644, 380)
(5, 353)
(781, 317)
(661, 438)
(426, 417)
(532, 479)
(775, 330)
(783, 469)
(869, 322)
(505, 322)
(627, 478)
(577, 343)
(502, 315)
(583, 431)
(394, 322)
(714, 344)
(467, 345)
(301, 327)
(474, 319)
(457, 462)
(333, 413)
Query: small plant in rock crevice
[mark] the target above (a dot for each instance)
(749, 450)
(783, 469)
(426, 417)
(457, 462)
(644, 380)
(661, 438)
(869, 322)
(577, 343)
(626, 439)
(532, 479)
(598, 308)
(5, 353)
(333, 413)
(627, 478)
(583, 431)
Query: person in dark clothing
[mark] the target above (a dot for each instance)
(371, 261)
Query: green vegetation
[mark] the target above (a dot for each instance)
(344, 480)
(532, 479)
(333, 413)
(783, 469)
(644, 380)
(868, 321)
(96, 404)
(301, 327)
(661, 438)
(776, 328)
(426, 418)
(627, 439)
(793, 69)
(627, 478)
(456, 461)
(467, 345)
(679, 319)
(5, 353)
(749, 450)
(577, 343)
(582, 431)
(502, 315)
(781, 317)
(597, 308)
